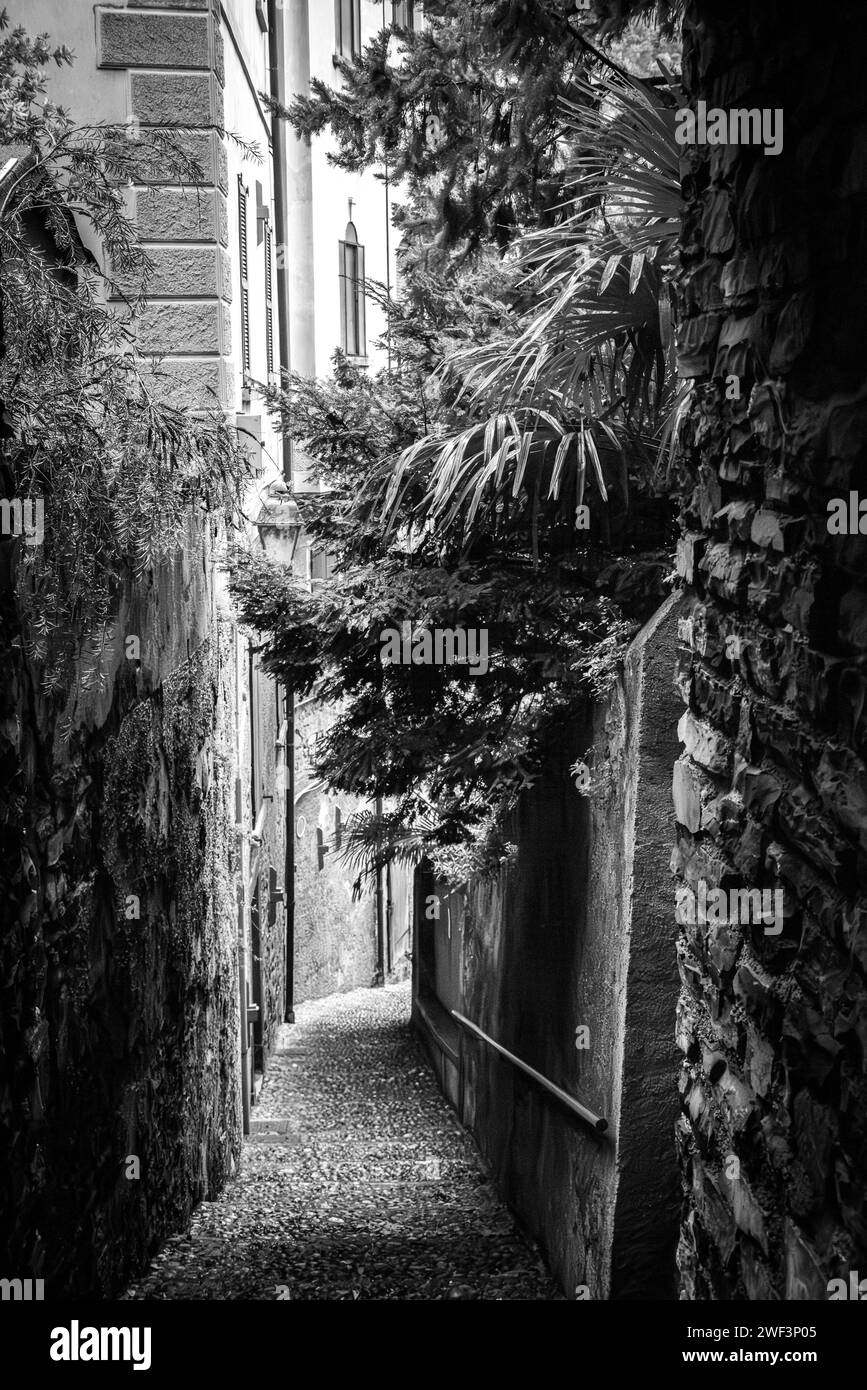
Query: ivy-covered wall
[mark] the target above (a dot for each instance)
(119, 1105)
(771, 788)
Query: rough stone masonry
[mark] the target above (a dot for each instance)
(771, 787)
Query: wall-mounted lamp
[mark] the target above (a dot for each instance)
(279, 523)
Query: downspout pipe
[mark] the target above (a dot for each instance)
(278, 60)
(278, 67)
(380, 914)
(289, 880)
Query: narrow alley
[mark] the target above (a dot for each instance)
(433, 673)
(357, 1181)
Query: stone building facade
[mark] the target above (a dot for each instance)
(771, 787)
(337, 942)
(147, 956)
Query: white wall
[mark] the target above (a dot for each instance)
(332, 189)
(247, 59)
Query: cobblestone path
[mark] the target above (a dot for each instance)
(357, 1183)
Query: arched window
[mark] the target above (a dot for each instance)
(353, 332)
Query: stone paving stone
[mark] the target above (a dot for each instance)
(357, 1181)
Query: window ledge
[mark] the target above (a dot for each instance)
(353, 361)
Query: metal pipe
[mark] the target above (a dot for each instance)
(380, 915)
(276, 56)
(245, 1040)
(253, 877)
(289, 878)
(286, 743)
(387, 241)
(598, 1123)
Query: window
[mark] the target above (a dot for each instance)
(347, 27)
(403, 14)
(353, 334)
(244, 261)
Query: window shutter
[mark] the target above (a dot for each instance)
(361, 304)
(347, 27)
(269, 302)
(344, 285)
(245, 276)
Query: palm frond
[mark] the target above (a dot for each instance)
(589, 376)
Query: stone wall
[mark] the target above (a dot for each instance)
(335, 934)
(120, 1106)
(576, 934)
(771, 788)
(186, 230)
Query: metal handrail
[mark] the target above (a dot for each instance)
(598, 1123)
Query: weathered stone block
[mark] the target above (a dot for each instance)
(191, 161)
(686, 555)
(738, 517)
(739, 279)
(802, 817)
(169, 214)
(767, 530)
(223, 219)
(726, 572)
(184, 328)
(704, 744)
(760, 1062)
(747, 1210)
(163, 98)
(225, 274)
(219, 58)
(686, 792)
(128, 40)
(200, 386)
(184, 272)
